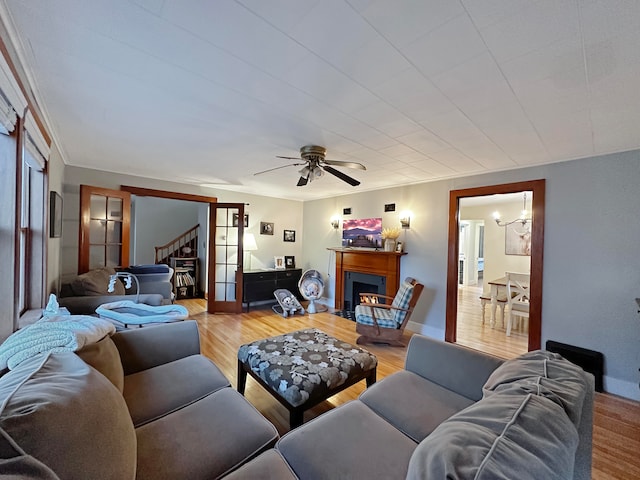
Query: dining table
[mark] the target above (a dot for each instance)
(497, 286)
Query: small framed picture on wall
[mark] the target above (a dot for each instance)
(289, 236)
(55, 215)
(234, 220)
(266, 228)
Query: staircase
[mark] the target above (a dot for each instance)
(185, 245)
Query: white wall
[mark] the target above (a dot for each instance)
(496, 262)
(591, 262)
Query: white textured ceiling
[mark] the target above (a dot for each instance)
(211, 91)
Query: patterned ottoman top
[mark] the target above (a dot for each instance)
(305, 364)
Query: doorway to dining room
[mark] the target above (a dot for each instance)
(480, 253)
(483, 261)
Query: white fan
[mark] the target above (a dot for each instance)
(311, 287)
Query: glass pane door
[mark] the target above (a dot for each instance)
(227, 251)
(104, 228)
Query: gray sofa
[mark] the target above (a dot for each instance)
(82, 294)
(452, 413)
(140, 404)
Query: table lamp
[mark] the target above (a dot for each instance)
(249, 243)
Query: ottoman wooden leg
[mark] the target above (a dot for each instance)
(242, 377)
(371, 378)
(296, 416)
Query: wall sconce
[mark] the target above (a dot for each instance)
(335, 222)
(405, 219)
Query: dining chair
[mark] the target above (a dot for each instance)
(518, 297)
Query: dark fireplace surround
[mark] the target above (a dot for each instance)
(356, 283)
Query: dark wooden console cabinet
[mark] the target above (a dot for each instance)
(259, 285)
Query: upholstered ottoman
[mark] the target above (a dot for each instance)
(303, 368)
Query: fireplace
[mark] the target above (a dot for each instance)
(356, 283)
(369, 262)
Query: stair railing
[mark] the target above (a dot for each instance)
(184, 245)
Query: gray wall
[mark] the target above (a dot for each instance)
(157, 221)
(56, 172)
(591, 262)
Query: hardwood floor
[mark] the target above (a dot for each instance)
(616, 433)
(473, 334)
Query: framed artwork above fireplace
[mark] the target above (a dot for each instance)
(362, 232)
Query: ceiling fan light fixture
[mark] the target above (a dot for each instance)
(317, 165)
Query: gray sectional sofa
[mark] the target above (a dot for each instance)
(140, 404)
(145, 404)
(453, 413)
(82, 294)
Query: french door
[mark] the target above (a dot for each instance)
(225, 244)
(104, 228)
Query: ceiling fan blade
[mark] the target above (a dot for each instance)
(342, 176)
(339, 163)
(288, 158)
(278, 168)
(303, 181)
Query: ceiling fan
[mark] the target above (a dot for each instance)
(315, 165)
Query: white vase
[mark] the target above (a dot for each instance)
(389, 245)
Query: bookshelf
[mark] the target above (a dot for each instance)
(185, 277)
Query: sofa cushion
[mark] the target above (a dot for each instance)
(16, 465)
(104, 357)
(503, 436)
(65, 414)
(157, 391)
(398, 398)
(348, 442)
(204, 440)
(96, 282)
(266, 466)
(542, 373)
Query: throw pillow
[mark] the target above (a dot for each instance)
(96, 282)
(68, 416)
(503, 436)
(104, 357)
(545, 374)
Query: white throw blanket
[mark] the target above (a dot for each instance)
(55, 334)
